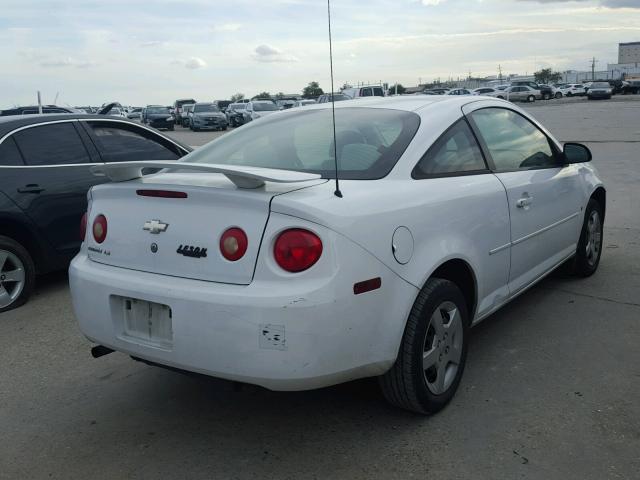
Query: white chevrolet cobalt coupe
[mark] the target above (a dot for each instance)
(241, 261)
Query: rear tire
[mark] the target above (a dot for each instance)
(589, 249)
(531, 99)
(558, 94)
(433, 351)
(17, 274)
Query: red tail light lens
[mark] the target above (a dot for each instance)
(83, 226)
(297, 249)
(233, 244)
(100, 228)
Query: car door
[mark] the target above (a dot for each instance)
(454, 171)
(126, 142)
(544, 194)
(51, 187)
(517, 93)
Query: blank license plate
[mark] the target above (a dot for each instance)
(147, 321)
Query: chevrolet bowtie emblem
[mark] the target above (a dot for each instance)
(155, 226)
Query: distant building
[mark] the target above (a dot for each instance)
(629, 52)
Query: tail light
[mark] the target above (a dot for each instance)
(296, 249)
(100, 228)
(83, 226)
(233, 244)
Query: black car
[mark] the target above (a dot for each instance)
(33, 109)
(157, 116)
(44, 179)
(546, 91)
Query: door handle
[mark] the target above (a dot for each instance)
(31, 188)
(524, 202)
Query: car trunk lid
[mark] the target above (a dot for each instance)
(171, 224)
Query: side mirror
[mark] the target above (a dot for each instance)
(576, 153)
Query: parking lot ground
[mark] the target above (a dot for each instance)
(551, 389)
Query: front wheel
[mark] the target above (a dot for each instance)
(558, 94)
(589, 248)
(546, 96)
(17, 274)
(531, 99)
(433, 351)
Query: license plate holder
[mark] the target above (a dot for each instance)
(148, 322)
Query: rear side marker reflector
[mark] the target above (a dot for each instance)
(161, 193)
(367, 285)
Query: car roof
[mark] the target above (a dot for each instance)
(410, 103)
(10, 123)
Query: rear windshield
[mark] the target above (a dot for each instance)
(369, 142)
(205, 107)
(600, 85)
(159, 110)
(264, 107)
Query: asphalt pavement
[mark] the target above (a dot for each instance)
(551, 389)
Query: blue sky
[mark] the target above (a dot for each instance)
(140, 52)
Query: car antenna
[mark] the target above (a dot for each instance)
(337, 193)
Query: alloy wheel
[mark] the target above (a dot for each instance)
(594, 238)
(12, 278)
(442, 351)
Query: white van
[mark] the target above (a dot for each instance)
(357, 92)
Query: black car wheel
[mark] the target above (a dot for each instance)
(558, 94)
(433, 351)
(17, 274)
(546, 96)
(531, 99)
(569, 94)
(589, 249)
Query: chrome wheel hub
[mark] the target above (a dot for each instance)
(594, 238)
(442, 348)
(12, 278)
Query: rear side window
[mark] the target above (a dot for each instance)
(377, 92)
(128, 143)
(514, 143)
(54, 144)
(456, 151)
(9, 153)
(366, 92)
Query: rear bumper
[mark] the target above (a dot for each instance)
(598, 95)
(210, 124)
(160, 124)
(329, 335)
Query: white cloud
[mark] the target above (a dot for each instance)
(227, 27)
(66, 62)
(194, 63)
(152, 43)
(267, 53)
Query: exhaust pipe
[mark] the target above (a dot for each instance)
(100, 351)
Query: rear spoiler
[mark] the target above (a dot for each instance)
(241, 176)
